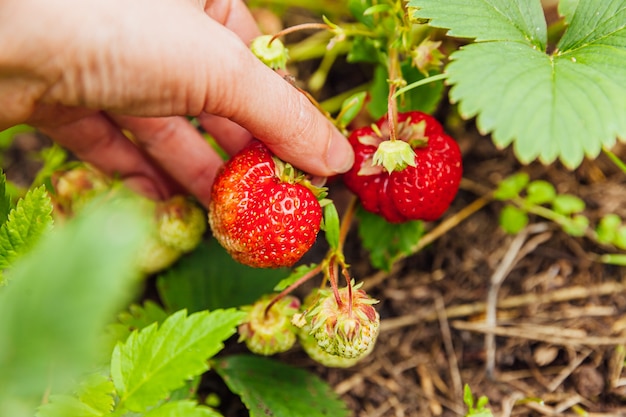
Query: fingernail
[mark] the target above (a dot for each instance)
(339, 155)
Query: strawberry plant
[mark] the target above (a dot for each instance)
(112, 304)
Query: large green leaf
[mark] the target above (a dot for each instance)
(487, 20)
(209, 278)
(565, 105)
(24, 225)
(271, 388)
(157, 360)
(58, 301)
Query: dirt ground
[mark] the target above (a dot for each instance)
(531, 321)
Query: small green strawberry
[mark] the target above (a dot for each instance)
(321, 356)
(181, 223)
(264, 212)
(267, 332)
(346, 326)
(155, 256)
(177, 228)
(75, 187)
(271, 51)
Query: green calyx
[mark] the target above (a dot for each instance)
(347, 327)
(394, 155)
(291, 175)
(271, 51)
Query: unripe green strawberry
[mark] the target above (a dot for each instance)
(273, 54)
(263, 211)
(347, 328)
(155, 256)
(177, 228)
(319, 355)
(271, 333)
(74, 188)
(181, 223)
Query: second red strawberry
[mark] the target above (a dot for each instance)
(418, 189)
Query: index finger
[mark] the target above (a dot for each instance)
(269, 107)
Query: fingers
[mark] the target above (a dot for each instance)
(230, 136)
(176, 146)
(273, 111)
(234, 15)
(94, 139)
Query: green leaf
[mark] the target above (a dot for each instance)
(358, 8)
(487, 20)
(181, 408)
(577, 226)
(468, 397)
(568, 204)
(94, 397)
(136, 318)
(7, 135)
(607, 228)
(209, 278)
(5, 199)
(331, 225)
(271, 388)
(513, 219)
(67, 405)
(620, 237)
(386, 241)
(511, 186)
(53, 158)
(540, 192)
(378, 8)
(25, 224)
(157, 360)
(566, 105)
(61, 295)
(350, 108)
(567, 9)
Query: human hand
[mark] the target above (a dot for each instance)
(84, 71)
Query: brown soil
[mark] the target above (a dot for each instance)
(555, 342)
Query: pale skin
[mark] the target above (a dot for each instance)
(84, 71)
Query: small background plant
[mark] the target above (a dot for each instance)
(517, 291)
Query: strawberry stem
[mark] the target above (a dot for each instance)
(349, 285)
(304, 278)
(297, 28)
(332, 277)
(395, 76)
(346, 222)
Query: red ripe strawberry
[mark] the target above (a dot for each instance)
(263, 211)
(401, 185)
